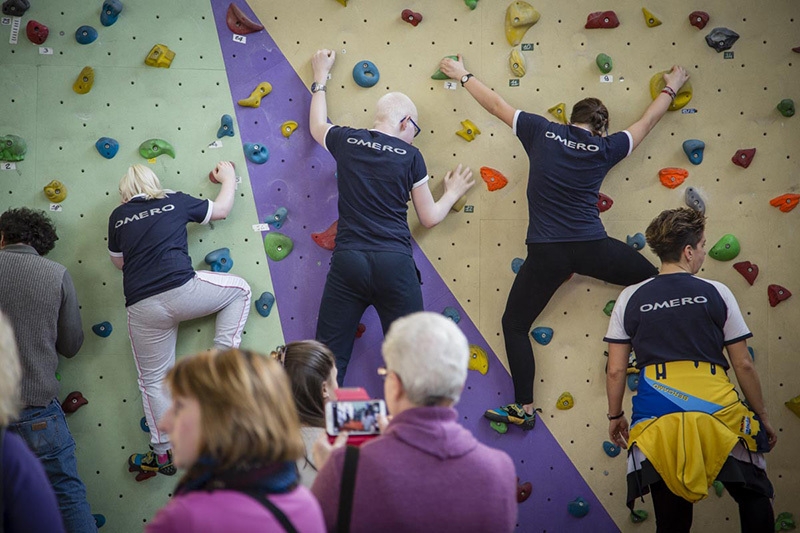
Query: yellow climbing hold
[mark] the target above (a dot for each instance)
(683, 97)
(794, 405)
(254, 100)
(517, 63)
(565, 401)
(651, 20)
(460, 203)
(560, 112)
(519, 17)
(478, 360)
(83, 84)
(159, 56)
(468, 130)
(288, 127)
(343, 2)
(55, 191)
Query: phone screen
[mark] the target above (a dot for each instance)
(356, 417)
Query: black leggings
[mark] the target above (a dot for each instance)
(544, 270)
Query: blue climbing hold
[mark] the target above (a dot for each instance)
(516, 264)
(693, 148)
(366, 74)
(143, 425)
(110, 13)
(220, 260)
(452, 313)
(107, 147)
(578, 507)
(633, 381)
(264, 303)
(611, 449)
(85, 34)
(256, 153)
(542, 335)
(751, 352)
(103, 329)
(99, 520)
(276, 221)
(226, 127)
(636, 241)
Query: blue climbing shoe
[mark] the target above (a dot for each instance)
(148, 462)
(512, 413)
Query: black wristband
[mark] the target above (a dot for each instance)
(617, 417)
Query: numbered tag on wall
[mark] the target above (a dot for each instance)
(45, 51)
(56, 208)
(5, 165)
(450, 85)
(239, 39)
(606, 78)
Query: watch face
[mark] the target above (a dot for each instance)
(464, 78)
(315, 87)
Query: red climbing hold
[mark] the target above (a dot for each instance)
(604, 202)
(327, 239)
(602, 19)
(671, 177)
(494, 178)
(523, 491)
(785, 202)
(748, 270)
(411, 17)
(698, 19)
(777, 294)
(360, 330)
(239, 23)
(141, 476)
(744, 157)
(796, 50)
(37, 32)
(73, 402)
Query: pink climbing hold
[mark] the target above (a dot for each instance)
(602, 19)
(777, 294)
(698, 19)
(360, 330)
(523, 491)
(73, 402)
(411, 17)
(748, 270)
(744, 157)
(327, 239)
(604, 202)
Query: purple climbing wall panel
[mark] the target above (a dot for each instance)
(300, 176)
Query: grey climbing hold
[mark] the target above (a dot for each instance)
(694, 201)
(721, 39)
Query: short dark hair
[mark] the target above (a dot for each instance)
(309, 364)
(28, 226)
(593, 112)
(673, 229)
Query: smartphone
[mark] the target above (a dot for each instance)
(357, 417)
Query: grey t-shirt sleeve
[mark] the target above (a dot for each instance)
(70, 327)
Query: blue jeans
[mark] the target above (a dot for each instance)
(45, 431)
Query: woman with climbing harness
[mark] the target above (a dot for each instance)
(689, 426)
(568, 163)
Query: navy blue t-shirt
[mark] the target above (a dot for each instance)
(376, 173)
(567, 167)
(151, 237)
(677, 317)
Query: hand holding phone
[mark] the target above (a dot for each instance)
(358, 417)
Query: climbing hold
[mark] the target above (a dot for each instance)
(751, 352)
(517, 63)
(719, 488)
(12, 148)
(500, 427)
(276, 221)
(225, 127)
(256, 153)
(219, 260)
(494, 178)
(110, 12)
(785, 522)
(542, 335)
(288, 127)
(277, 245)
(785, 106)
(744, 157)
(439, 75)
(609, 307)
(86, 35)
(468, 130)
(633, 381)
(107, 147)
(478, 360)
(472, 4)
(141, 475)
(366, 74)
(55, 191)
(37, 32)
(73, 402)
(604, 202)
(58, 376)
(726, 248)
(698, 19)
(611, 449)
(748, 270)
(411, 17)
(99, 520)
(360, 330)
(159, 56)
(103, 329)
(565, 401)
(452, 313)
(651, 20)
(15, 8)
(683, 97)
(604, 63)
(327, 239)
(85, 80)
(636, 241)
(239, 23)
(254, 100)
(143, 425)
(153, 148)
(343, 2)
(785, 202)
(796, 49)
(523, 491)
(638, 516)
(516, 264)
(578, 507)
(560, 112)
(460, 203)
(602, 19)
(794, 405)
(264, 303)
(519, 17)
(777, 294)
(693, 148)
(721, 39)
(671, 177)
(693, 200)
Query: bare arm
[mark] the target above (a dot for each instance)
(487, 98)
(675, 79)
(747, 376)
(223, 203)
(118, 262)
(321, 63)
(615, 390)
(430, 212)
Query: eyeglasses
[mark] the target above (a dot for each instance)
(417, 129)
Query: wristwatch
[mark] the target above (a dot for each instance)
(316, 87)
(465, 78)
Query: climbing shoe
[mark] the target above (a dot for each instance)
(512, 413)
(148, 462)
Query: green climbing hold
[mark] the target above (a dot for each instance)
(500, 427)
(604, 63)
(609, 307)
(439, 75)
(277, 246)
(786, 107)
(638, 516)
(152, 148)
(726, 248)
(12, 148)
(58, 376)
(785, 522)
(472, 4)
(719, 488)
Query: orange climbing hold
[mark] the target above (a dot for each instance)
(494, 178)
(671, 177)
(327, 239)
(785, 202)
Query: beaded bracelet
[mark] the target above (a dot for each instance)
(669, 91)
